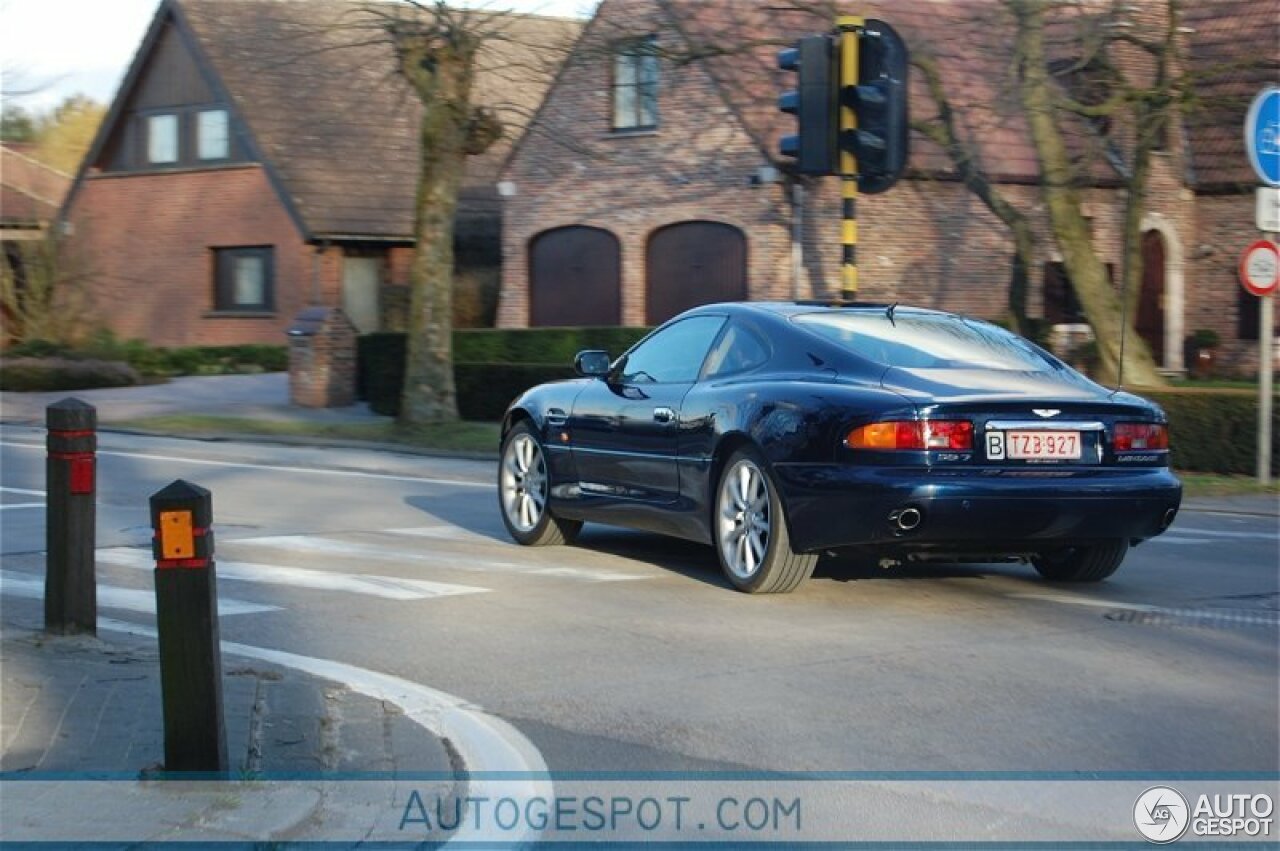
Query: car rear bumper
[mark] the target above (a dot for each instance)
(831, 506)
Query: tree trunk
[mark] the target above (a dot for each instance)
(1088, 274)
(442, 76)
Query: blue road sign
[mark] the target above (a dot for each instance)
(1262, 135)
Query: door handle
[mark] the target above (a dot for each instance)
(664, 415)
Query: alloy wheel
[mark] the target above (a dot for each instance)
(524, 483)
(744, 524)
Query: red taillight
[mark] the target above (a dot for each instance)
(912, 434)
(1140, 437)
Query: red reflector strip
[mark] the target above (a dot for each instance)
(73, 433)
(196, 531)
(182, 562)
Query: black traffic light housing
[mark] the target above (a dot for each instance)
(814, 103)
(880, 143)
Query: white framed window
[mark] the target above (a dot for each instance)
(213, 138)
(162, 139)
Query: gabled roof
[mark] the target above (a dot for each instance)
(30, 191)
(317, 86)
(1236, 50)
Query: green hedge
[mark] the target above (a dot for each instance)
(380, 371)
(166, 362)
(539, 345)
(491, 366)
(1214, 431)
(35, 375)
(486, 389)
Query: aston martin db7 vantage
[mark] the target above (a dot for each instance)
(776, 432)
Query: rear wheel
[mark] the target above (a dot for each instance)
(524, 486)
(1092, 563)
(751, 534)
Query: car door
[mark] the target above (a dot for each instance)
(625, 429)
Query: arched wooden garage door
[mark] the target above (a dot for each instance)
(693, 263)
(575, 277)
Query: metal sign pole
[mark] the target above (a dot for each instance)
(1266, 355)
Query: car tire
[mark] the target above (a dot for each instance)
(1092, 563)
(750, 531)
(524, 487)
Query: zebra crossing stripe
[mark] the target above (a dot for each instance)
(448, 561)
(386, 587)
(127, 599)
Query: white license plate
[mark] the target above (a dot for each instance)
(1033, 445)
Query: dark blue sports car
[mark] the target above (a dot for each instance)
(776, 432)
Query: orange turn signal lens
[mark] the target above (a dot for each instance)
(912, 434)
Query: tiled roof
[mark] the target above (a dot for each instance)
(319, 88)
(30, 191)
(1236, 47)
(971, 41)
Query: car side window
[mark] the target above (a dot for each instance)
(673, 355)
(739, 350)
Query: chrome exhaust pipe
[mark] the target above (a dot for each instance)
(1167, 520)
(906, 519)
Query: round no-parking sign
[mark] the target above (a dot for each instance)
(1260, 268)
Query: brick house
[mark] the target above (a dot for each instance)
(261, 156)
(648, 181)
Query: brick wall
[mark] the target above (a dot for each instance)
(926, 242)
(322, 360)
(698, 164)
(1224, 229)
(147, 242)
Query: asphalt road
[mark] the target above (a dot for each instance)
(629, 652)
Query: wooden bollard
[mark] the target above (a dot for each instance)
(70, 585)
(195, 736)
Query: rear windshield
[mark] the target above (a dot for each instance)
(927, 341)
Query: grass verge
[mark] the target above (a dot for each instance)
(455, 437)
(1212, 484)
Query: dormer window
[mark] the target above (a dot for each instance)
(212, 139)
(635, 85)
(162, 139)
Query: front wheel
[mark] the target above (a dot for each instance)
(751, 533)
(1092, 563)
(524, 486)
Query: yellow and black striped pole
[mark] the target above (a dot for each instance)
(849, 28)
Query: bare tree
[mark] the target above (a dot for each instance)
(44, 292)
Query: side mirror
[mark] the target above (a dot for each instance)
(592, 363)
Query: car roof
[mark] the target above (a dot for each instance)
(788, 309)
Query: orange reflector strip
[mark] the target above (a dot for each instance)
(177, 537)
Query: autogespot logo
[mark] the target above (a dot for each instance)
(1161, 814)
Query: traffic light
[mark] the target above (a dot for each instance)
(814, 103)
(879, 100)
